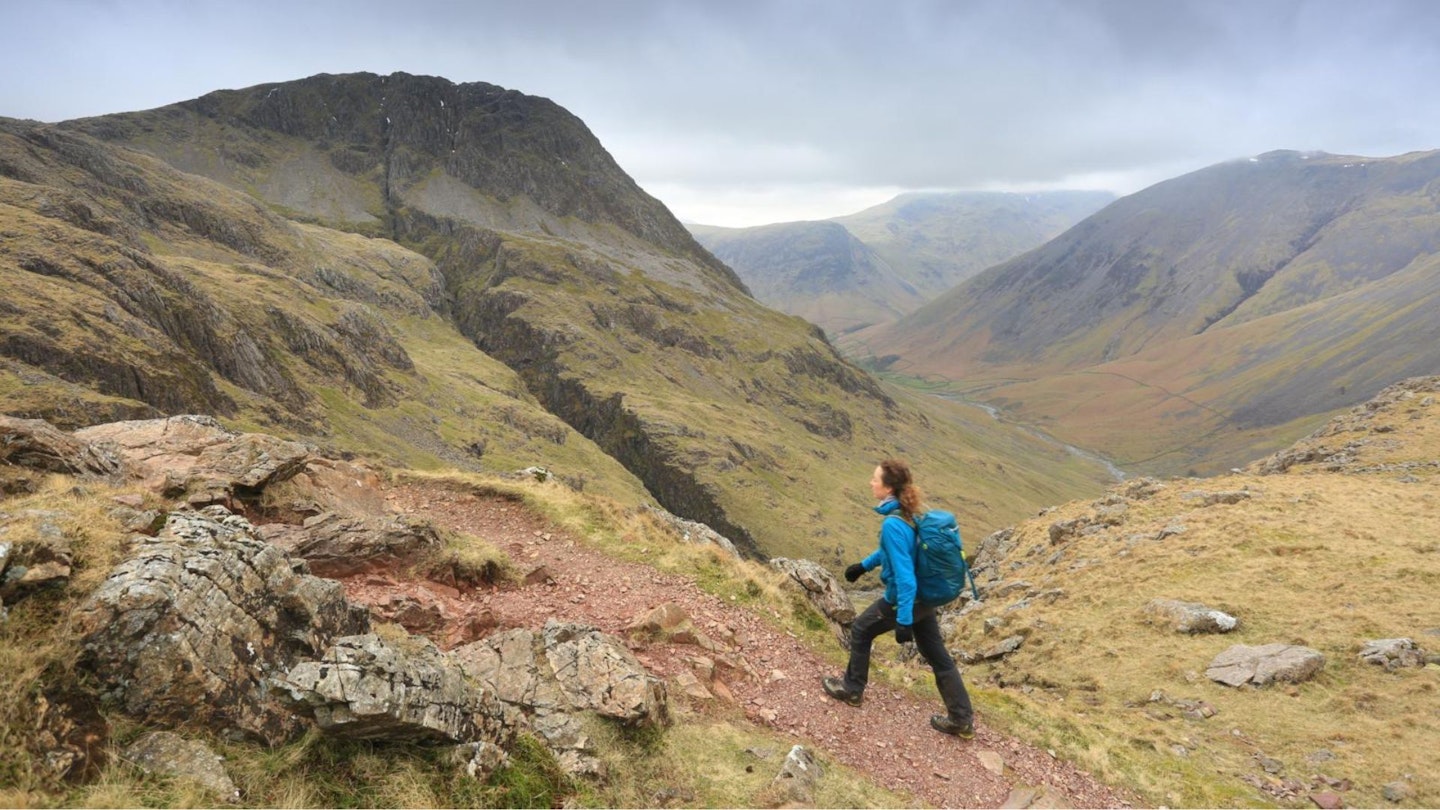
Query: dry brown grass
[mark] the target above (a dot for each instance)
(39, 641)
(714, 762)
(1327, 561)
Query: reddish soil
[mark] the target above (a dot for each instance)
(888, 738)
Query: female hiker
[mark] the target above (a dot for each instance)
(900, 504)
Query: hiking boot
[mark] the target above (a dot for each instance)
(835, 688)
(943, 724)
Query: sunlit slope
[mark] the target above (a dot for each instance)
(1333, 548)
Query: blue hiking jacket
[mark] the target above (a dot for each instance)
(896, 558)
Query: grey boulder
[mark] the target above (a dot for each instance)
(1265, 664)
(1189, 617)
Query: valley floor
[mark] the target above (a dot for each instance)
(889, 738)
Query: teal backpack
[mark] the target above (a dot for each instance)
(940, 569)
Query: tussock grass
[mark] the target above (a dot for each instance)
(39, 641)
(468, 558)
(714, 762)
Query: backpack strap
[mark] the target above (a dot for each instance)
(913, 526)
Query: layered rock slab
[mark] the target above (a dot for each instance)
(367, 688)
(193, 626)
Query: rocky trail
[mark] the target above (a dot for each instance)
(750, 662)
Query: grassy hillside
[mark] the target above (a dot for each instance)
(551, 261)
(1333, 550)
(133, 290)
(1330, 545)
(1211, 249)
(712, 399)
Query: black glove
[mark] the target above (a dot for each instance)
(904, 634)
(854, 572)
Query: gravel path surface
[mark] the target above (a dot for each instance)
(888, 738)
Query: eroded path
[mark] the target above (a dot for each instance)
(888, 738)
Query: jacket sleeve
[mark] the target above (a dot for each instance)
(897, 544)
(873, 561)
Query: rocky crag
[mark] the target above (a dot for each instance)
(204, 622)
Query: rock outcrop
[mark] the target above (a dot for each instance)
(42, 560)
(799, 775)
(597, 673)
(35, 443)
(194, 624)
(824, 592)
(338, 545)
(560, 672)
(692, 531)
(1392, 653)
(1346, 443)
(169, 754)
(33, 447)
(197, 458)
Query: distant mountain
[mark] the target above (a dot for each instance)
(1209, 317)
(449, 275)
(871, 267)
(936, 240)
(816, 270)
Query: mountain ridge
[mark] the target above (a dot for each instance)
(487, 137)
(1200, 290)
(722, 410)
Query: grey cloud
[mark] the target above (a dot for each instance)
(725, 94)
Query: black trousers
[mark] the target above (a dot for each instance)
(879, 619)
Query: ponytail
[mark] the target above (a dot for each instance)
(895, 474)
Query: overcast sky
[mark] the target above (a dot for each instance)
(736, 112)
